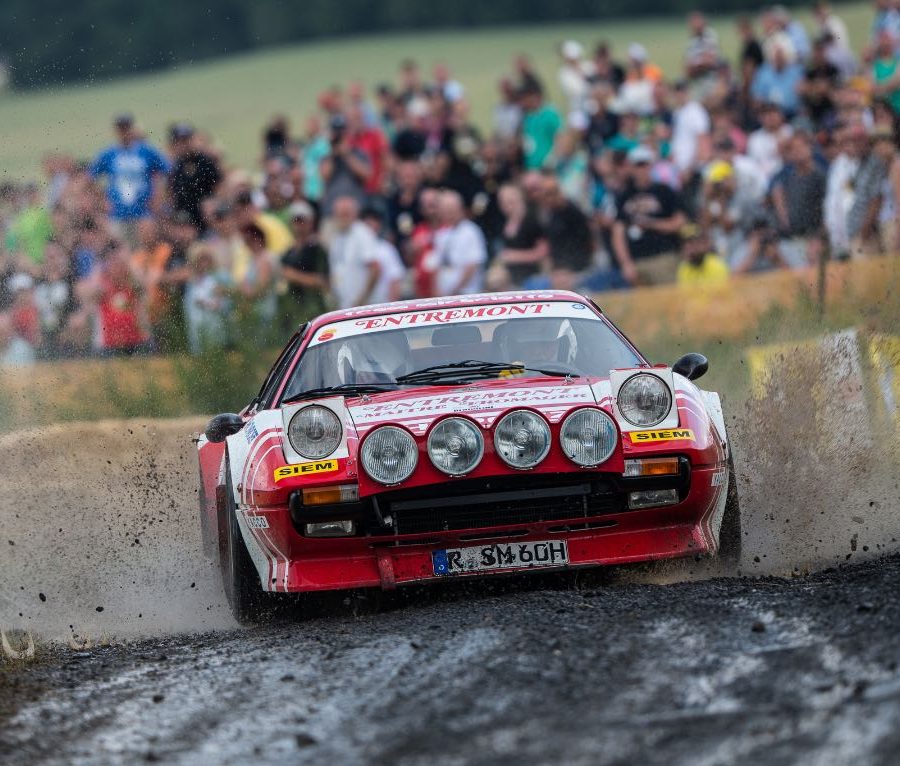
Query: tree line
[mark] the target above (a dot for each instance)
(53, 42)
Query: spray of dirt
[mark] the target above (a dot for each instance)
(99, 532)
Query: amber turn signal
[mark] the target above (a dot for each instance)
(652, 466)
(344, 493)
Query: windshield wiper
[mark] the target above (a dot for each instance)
(344, 389)
(472, 369)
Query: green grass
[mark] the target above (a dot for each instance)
(232, 97)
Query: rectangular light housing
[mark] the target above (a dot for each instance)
(343, 493)
(330, 529)
(652, 498)
(651, 466)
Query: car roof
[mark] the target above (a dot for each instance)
(454, 301)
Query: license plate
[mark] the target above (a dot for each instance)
(481, 558)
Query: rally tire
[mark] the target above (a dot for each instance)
(245, 596)
(730, 532)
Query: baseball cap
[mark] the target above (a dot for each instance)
(301, 209)
(571, 49)
(641, 155)
(123, 120)
(20, 282)
(719, 171)
(180, 130)
(637, 52)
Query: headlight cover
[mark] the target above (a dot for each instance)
(644, 400)
(588, 437)
(315, 432)
(389, 455)
(522, 439)
(455, 446)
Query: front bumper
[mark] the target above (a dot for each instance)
(595, 523)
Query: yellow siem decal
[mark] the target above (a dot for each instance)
(302, 469)
(642, 437)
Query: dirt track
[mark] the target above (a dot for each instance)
(602, 668)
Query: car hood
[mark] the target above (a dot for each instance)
(484, 402)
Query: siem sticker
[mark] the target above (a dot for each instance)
(257, 522)
(302, 469)
(643, 437)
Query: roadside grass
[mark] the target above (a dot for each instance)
(232, 97)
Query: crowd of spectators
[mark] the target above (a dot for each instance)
(776, 157)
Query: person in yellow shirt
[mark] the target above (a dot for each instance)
(700, 265)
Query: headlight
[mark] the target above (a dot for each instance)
(522, 439)
(314, 432)
(455, 446)
(588, 437)
(644, 400)
(389, 455)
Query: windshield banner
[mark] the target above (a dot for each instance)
(455, 315)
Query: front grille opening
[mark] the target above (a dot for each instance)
(502, 502)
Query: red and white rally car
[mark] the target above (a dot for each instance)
(462, 436)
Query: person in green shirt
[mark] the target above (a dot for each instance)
(31, 230)
(540, 124)
(885, 72)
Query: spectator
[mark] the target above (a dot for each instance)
(131, 167)
(247, 213)
(763, 251)
(195, 174)
(256, 295)
(793, 30)
(701, 266)
(540, 124)
(645, 235)
(726, 210)
(391, 272)
(820, 80)
(459, 249)
(778, 81)
(524, 250)
(573, 75)
(701, 59)
(116, 303)
(839, 193)
(568, 233)
(691, 144)
(420, 248)
(798, 194)
(14, 350)
(352, 257)
(862, 219)
(206, 303)
(346, 170)
(53, 296)
(605, 69)
(30, 231)
(403, 204)
(508, 112)
(764, 146)
(369, 141)
(305, 268)
(885, 75)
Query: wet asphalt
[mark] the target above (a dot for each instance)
(542, 669)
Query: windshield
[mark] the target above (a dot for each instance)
(375, 350)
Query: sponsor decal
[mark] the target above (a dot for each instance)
(256, 522)
(472, 401)
(440, 315)
(718, 479)
(304, 469)
(251, 432)
(670, 434)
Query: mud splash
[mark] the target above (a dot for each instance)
(99, 532)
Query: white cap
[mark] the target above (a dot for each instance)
(418, 107)
(637, 52)
(641, 154)
(578, 121)
(301, 209)
(571, 49)
(19, 282)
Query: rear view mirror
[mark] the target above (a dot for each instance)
(692, 366)
(224, 425)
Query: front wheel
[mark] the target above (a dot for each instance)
(730, 532)
(245, 596)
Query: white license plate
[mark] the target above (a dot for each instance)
(481, 558)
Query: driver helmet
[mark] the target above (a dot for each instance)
(537, 341)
